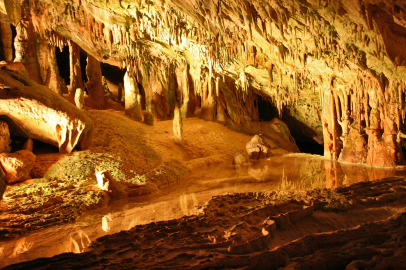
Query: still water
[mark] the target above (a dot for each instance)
(288, 172)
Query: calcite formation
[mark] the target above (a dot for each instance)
(80, 99)
(43, 114)
(17, 166)
(4, 138)
(337, 66)
(258, 148)
(107, 183)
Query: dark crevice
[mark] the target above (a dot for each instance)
(62, 58)
(83, 64)
(112, 73)
(266, 110)
(302, 134)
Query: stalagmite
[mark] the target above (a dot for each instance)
(75, 69)
(80, 99)
(177, 124)
(94, 84)
(6, 38)
(132, 96)
(55, 83)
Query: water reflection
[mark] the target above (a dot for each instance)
(290, 172)
(78, 242)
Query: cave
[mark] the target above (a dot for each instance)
(62, 58)
(202, 134)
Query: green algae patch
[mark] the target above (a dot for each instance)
(48, 202)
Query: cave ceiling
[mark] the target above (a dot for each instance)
(324, 62)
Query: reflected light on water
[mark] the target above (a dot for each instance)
(289, 172)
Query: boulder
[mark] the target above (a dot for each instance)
(17, 166)
(4, 138)
(107, 183)
(80, 99)
(42, 114)
(258, 148)
(239, 159)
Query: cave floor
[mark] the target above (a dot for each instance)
(188, 206)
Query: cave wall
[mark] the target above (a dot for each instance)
(337, 66)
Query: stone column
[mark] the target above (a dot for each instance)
(329, 118)
(94, 83)
(177, 124)
(6, 37)
(56, 83)
(183, 87)
(20, 41)
(75, 69)
(132, 96)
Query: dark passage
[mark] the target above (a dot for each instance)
(310, 147)
(266, 110)
(302, 134)
(62, 58)
(112, 73)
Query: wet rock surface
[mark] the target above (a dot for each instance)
(256, 235)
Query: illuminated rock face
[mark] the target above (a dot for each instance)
(258, 148)
(17, 166)
(42, 114)
(335, 66)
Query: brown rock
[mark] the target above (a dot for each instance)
(258, 148)
(107, 183)
(239, 159)
(28, 145)
(4, 138)
(132, 97)
(2, 183)
(43, 114)
(177, 125)
(80, 99)
(17, 166)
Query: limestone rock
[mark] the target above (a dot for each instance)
(17, 166)
(132, 97)
(258, 148)
(2, 183)
(107, 183)
(239, 159)
(43, 114)
(94, 84)
(4, 138)
(28, 145)
(177, 125)
(80, 99)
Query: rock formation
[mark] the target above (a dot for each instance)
(258, 148)
(107, 183)
(4, 138)
(42, 114)
(17, 166)
(80, 99)
(132, 96)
